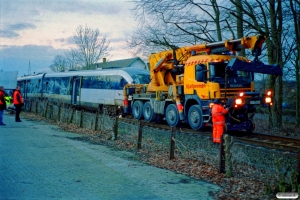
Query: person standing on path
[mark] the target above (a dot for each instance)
(18, 103)
(2, 105)
(218, 119)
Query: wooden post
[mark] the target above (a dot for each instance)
(81, 118)
(222, 156)
(115, 131)
(139, 142)
(298, 177)
(59, 112)
(46, 109)
(96, 121)
(172, 144)
(36, 107)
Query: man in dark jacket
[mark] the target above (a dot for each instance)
(18, 103)
(2, 105)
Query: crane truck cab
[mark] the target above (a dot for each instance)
(185, 81)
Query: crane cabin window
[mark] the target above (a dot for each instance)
(217, 71)
(217, 74)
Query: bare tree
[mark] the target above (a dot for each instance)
(168, 23)
(91, 45)
(270, 18)
(72, 62)
(59, 64)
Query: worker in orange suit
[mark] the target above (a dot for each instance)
(18, 103)
(218, 119)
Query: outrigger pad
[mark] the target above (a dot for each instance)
(258, 67)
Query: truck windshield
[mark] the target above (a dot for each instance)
(141, 79)
(217, 74)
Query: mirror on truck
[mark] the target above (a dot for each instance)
(201, 73)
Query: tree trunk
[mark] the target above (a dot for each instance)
(239, 23)
(275, 57)
(296, 18)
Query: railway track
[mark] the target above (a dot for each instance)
(272, 141)
(258, 139)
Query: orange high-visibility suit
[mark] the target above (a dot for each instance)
(218, 119)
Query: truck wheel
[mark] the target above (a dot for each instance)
(172, 115)
(195, 117)
(252, 127)
(137, 109)
(149, 114)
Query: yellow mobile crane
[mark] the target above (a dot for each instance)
(185, 81)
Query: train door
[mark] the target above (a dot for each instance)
(75, 90)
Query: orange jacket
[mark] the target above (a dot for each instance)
(2, 101)
(218, 112)
(18, 99)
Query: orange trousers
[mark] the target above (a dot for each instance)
(218, 129)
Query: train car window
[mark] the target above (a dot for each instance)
(46, 89)
(60, 85)
(123, 82)
(116, 82)
(39, 87)
(141, 79)
(108, 83)
(35, 86)
(64, 86)
(51, 85)
(101, 82)
(29, 86)
(104, 82)
(86, 82)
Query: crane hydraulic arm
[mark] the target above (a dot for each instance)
(256, 66)
(174, 60)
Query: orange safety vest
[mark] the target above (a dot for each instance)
(18, 99)
(218, 120)
(1, 98)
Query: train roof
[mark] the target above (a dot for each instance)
(129, 71)
(35, 76)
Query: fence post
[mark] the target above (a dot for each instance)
(116, 127)
(222, 156)
(172, 144)
(298, 177)
(139, 142)
(36, 107)
(59, 113)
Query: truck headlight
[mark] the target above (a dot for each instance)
(238, 101)
(268, 100)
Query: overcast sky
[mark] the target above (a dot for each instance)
(38, 30)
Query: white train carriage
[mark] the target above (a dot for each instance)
(91, 88)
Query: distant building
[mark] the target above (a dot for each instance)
(130, 62)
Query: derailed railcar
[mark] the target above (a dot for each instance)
(88, 89)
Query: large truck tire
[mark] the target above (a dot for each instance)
(195, 117)
(148, 112)
(172, 115)
(137, 110)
